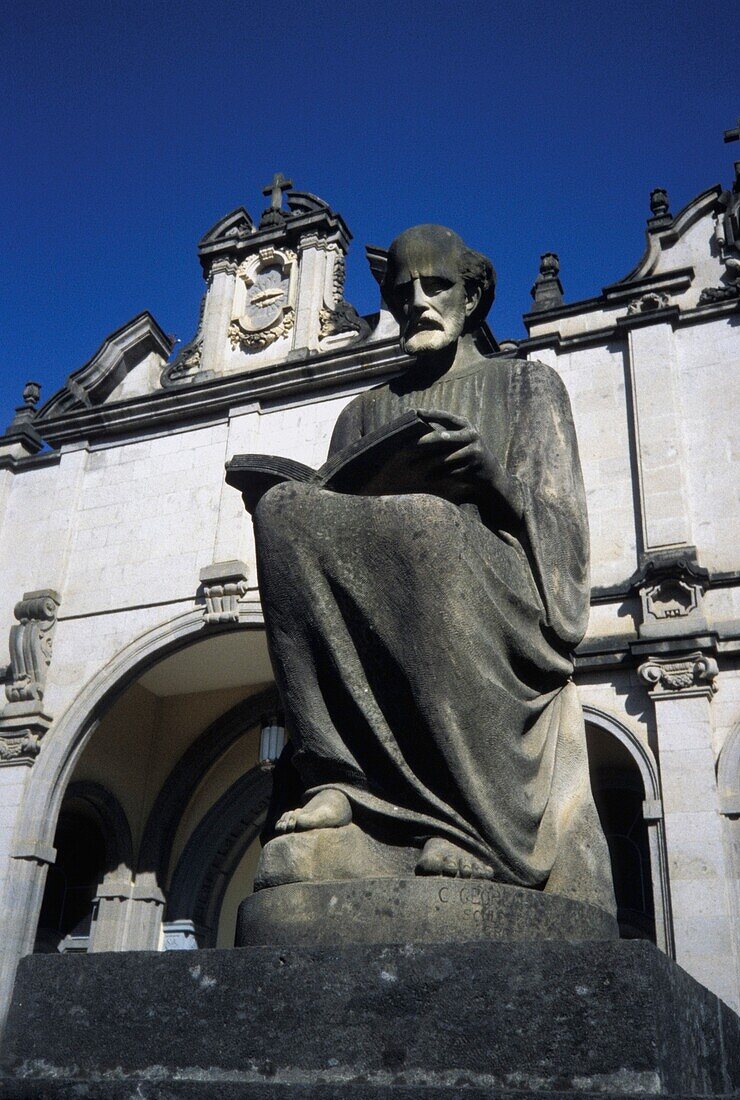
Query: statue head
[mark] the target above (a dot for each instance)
(436, 287)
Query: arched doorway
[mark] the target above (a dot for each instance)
(619, 795)
(166, 751)
(624, 780)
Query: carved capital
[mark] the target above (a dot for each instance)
(224, 585)
(30, 645)
(312, 240)
(690, 675)
(21, 730)
(225, 265)
(15, 750)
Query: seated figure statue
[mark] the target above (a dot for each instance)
(422, 641)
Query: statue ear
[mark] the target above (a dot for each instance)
(472, 301)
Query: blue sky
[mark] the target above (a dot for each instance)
(130, 127)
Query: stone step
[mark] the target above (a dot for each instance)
(77, 1089)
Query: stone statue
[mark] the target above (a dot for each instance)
(422, 641)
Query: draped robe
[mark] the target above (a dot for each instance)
(423, 649)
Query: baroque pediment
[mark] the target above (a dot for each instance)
(127, 348)
(665, 234)
(691, 262)
(236, 226)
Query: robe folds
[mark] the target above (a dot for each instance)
(423, 649)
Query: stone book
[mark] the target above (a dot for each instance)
(383, 461)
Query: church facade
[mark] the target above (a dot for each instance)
(141, 722)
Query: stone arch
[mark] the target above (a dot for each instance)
(653, 814)
(73, 729)
(32, 847)
(728, 775)
(214, 850)
(156, 843)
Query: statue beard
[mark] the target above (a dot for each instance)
(433, 336)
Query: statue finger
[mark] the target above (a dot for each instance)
(444, 417)
(465, 456)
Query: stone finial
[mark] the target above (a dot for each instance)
(660, 207)
(19, 750)
(31, 395)
(21, 426)
(547, 291)
(733, 134)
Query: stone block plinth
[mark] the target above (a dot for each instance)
(404, 1020)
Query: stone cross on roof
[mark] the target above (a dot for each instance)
(275, 190)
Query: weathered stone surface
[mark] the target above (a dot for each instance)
(414, 910)
(610, 1018)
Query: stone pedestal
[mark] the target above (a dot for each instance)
(467, 1020)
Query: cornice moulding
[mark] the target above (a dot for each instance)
(207, 398)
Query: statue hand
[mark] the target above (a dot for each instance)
(463, 456)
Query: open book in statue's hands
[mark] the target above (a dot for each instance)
(386, 461)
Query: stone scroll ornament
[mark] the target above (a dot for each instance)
(423, 612)
(30, 646)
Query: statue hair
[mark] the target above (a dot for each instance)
(477, 273)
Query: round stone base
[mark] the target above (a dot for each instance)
(414, 910)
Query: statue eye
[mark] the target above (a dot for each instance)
(433, 284)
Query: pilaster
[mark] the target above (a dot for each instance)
(128, 915)
(23, 868)
(233, 539)
(217, 316)
(681, 686)
(664, 508)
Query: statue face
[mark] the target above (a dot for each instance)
(429, 297)
(433, 312)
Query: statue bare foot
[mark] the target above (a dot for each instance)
(442, 857)
(326, 810)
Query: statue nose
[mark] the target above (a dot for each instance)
(419, 300)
